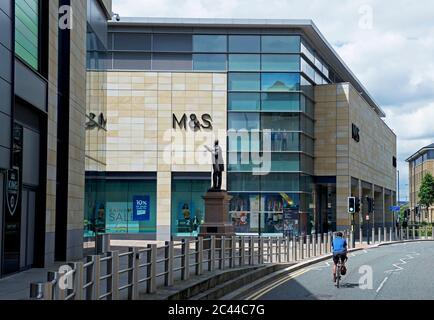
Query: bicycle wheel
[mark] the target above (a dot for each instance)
(338, 274)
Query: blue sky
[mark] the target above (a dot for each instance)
(388, 44)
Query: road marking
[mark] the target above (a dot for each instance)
(382, 284)
(402, 262)
(274, 285)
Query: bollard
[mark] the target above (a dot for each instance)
(407, 232)
(308, 247)
(379, 234)
(320, 239)
(373, 236)
(432, 233)
(294, 249)
(391, 234)
(301, 248)
(426, 233)
(413, 231)
(326, 247)
(351, 244)
(401, 234)
(385, 234)
(360, 236)
(288, 258)
(314, 245)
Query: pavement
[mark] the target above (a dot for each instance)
(401, 271)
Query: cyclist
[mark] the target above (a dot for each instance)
(339, 247)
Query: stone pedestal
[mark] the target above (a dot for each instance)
(216, 215)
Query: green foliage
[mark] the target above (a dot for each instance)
(426, 191)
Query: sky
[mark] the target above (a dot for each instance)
(388, 44)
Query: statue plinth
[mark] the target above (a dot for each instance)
(216, 214)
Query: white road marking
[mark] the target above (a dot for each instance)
(382, 284)
(402, 262)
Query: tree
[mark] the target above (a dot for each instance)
(426, 191)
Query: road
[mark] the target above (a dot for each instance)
(401, 271)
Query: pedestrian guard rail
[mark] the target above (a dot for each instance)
(115, 275)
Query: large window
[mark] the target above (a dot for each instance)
(278, 44)
(172, 42)
(241, 120)
(244, 82)
(209, 62)
(280, 121)
(171, 61)
(209, 43)
(244, 43)
(27, 31)
(110, 206)
(132, 41)
(240, 101)
(244, 62)
(188, 207)
(280, 101)
(280, 81)
(132, 61)
(280, 62)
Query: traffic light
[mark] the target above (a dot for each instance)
(351, 205)
(370, 204)
(357, 205)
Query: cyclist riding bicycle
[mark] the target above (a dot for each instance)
(339, 247)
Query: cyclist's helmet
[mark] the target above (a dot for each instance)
(343, 270)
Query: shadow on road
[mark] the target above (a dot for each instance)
(349, 285)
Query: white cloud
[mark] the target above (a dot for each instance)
(393, 59)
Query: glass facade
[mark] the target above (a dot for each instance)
(27, 31)
(109, 206)
(270, 95)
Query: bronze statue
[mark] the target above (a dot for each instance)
(217, 164)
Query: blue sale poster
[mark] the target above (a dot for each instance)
(141, 208)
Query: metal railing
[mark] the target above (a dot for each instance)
(116, 275)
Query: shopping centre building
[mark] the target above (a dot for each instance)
(300, 132)
(42, 135)
(420, 163)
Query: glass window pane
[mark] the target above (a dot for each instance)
(280, 62)
(307, 69)
(281, 161)
(240, 161)
(306, 105)
(209, 43)
(307, 125)
(132, 61)
(243, 120)
(280, 121)
(307, 51)
(244, 62)
(26, 31)
(280, 81)
(243, 182)
(307, 164)
(244, 43)
(209, 62)
(306, 87)
(244, 141)
(280, 182)
(244, 101)
(171, 61)
(244, 81)
(172, 42)
(271, 44)
(307, 144)
(132, 41)
(284, 141)
(280, 102)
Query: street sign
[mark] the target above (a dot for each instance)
(12, 190)
(395, 208)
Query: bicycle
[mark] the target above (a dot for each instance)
(338, 270)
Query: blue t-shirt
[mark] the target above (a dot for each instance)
(339, 245)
